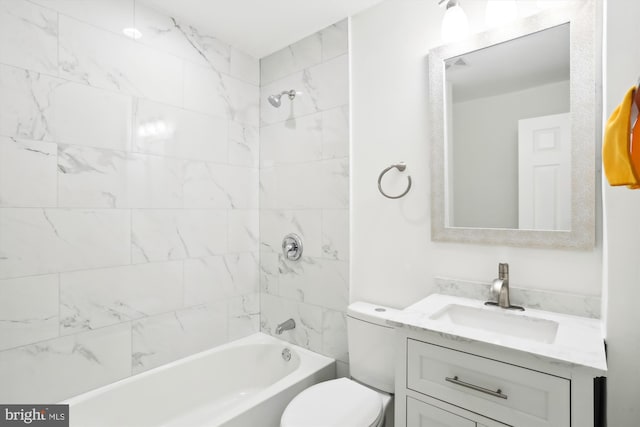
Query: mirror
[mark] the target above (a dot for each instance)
(513, 114)
(508, 134)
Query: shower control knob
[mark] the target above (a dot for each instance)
(292, 247)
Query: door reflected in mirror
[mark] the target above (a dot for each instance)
(508, 134)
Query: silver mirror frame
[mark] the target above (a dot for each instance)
(584, 102)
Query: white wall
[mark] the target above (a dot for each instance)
(485, 154)
(393, 260)
(622, 230)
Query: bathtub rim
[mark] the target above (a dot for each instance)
(308, 360)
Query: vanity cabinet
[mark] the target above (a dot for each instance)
(445, 381)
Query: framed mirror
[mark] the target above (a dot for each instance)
(513, 115)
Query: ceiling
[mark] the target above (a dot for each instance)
(260, 27)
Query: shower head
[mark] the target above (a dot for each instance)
(276, 100)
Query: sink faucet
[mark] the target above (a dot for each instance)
(500, 289)
(285, 326)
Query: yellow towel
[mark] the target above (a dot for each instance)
(616, 147)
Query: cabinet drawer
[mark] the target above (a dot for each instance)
(420, 414)
(501, 391)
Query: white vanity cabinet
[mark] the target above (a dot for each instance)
(450, 382)
(462, 363)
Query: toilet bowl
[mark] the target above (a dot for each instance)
(364, 400)
(337, 403)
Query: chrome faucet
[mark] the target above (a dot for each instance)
(285, 326)
(500, 289)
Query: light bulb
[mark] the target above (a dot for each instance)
(500, 12)
(455, 24)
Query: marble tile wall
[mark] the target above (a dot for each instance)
(129, 175)
(304, 189)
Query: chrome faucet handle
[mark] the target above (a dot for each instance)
(292, 247)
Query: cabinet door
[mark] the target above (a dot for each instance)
(420, 414)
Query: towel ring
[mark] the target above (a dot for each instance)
(401, 167)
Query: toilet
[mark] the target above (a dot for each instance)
(365, 399)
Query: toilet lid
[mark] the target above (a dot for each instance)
(335, 403)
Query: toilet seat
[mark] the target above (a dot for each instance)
(335, 403)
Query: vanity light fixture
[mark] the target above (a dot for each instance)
(455, 24)
(500, 12)
(133, 33)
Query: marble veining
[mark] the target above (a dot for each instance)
(25, 103)
(27, 173)
(244, 145)
(129, 213)
(297, 140)
(161, 339)
(96, 298)
(335, 133)
(579, 341)
(91, 177)
(326, 185)
(38, 241)
(244, 315)
(96, 358)
(308, 318)
(110, 15)
(165, 130)
(275, 224)
(304, 189)
(28, 310)
(334, 335)
(295, 57)
(218, 278)
(208, 47)
(104, 60)
(577, 305)
(28, 36)
(169, 34)
(312, 50)
(244, 230)
(269, 272)
(315, 281)
(335, 234)
(159, 235)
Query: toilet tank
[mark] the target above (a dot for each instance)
(371, 345)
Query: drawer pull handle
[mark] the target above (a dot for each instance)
(497, 393)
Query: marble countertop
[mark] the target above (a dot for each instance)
(579, 341)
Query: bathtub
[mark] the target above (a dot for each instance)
(244, 383)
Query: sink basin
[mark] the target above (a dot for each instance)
(501, 322)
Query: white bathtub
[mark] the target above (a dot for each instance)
(245, 383)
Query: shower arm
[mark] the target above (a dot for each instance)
(290, 93)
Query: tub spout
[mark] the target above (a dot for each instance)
(285, 326)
